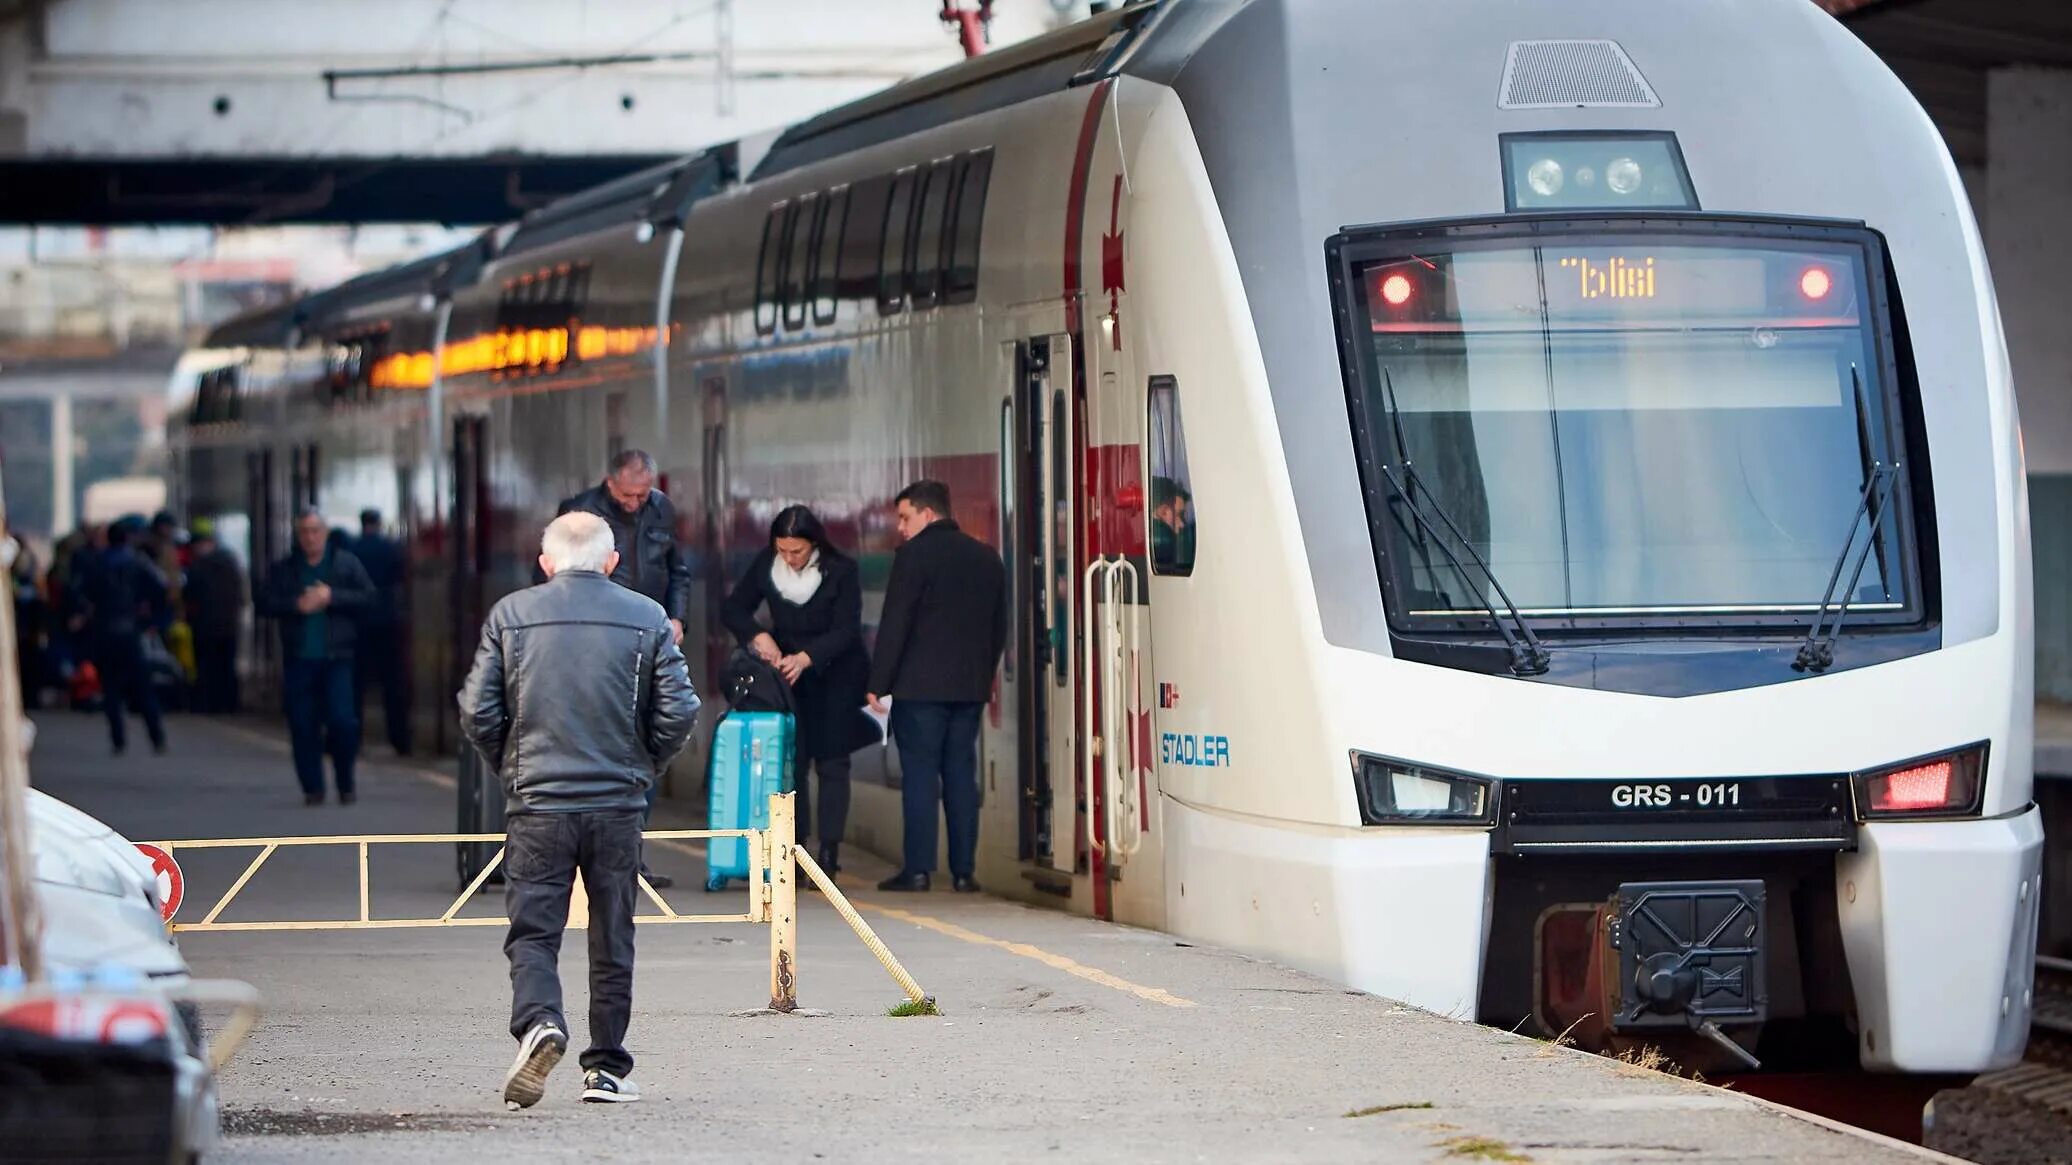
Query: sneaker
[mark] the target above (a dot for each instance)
(538, 1052)
(601, 1087)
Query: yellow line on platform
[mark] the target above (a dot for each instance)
(1055, 961)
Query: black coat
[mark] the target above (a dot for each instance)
(650, 562)
(828, 627)
(215, 595)
(944, 625)
(352, 593)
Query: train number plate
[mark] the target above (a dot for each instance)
(1814, 812)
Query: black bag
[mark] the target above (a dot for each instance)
(481, 796)
(751, 685)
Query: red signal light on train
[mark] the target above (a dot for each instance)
(1396, 290)
(1921, 787)
(1815, 283)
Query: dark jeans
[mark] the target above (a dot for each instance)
(379, 660)
(938, 759)
(542, 853)
(126, 681)
(318, 694)
(215, 678)
(833, 774)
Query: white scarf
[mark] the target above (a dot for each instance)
(796, 586)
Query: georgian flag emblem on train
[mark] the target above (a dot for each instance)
(1168, 696)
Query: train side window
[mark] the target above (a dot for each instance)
(1172, 488)
(798, 245)
(766, 270)
(827, 250)
(925, 245)
(899, 215)
(960, 283)
(856, 271)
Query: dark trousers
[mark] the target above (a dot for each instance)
(215, 675)
(126, 682)
(833, 774)
(938, 760)
(318, 694)
(542, 853)
(379, 660)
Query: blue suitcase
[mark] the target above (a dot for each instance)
(751, 759)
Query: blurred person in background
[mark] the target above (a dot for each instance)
(216, 597)
(316, 594)
(121, 599)
(384, 633)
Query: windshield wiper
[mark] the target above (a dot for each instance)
(1817, 653)
(1528, 658)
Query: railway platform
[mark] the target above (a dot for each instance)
(1059, 1036)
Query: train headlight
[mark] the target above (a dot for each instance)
(1567, 169)
(1395, 793)
(1946, 785)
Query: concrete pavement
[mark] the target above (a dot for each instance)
(1063, 1038)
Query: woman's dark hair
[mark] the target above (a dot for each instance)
(800, 522)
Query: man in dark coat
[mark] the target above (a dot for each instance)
(383, 631)
(215, 597)
(577, 698)
(122, 596)
(317, 594)
(940, 636)
(643, 526)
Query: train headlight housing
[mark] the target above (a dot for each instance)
(1948, 784)
(1640, 171)
(1397, 793)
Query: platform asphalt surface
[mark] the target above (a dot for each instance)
(1063, 1039)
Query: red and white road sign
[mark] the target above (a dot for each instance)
(171, 886)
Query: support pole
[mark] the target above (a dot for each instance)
(783, 907)
(863, 929)
(21, 926)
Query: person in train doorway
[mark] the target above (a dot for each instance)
(1172, 524)
(940, 635)
(215, 594)
(643, 525)
(814, 596)
(383, 631)
(122, 598)
(317, 595)
(577, 698)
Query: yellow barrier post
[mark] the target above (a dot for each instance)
(863, 929)
(783, 907)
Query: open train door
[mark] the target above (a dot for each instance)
(1040, 676)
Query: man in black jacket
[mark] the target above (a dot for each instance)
(643, 526)
(577, 698)
(122, 596)
(317, 595)
(940, 635)
(215, 596)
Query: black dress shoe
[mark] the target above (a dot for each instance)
(312, 798)
(904, 881)
(964, 884)
(658, 881)
(348, 798)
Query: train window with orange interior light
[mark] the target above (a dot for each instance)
(1172, 487)
(798, 245)
(766, 270)
(827, 249)
(960, 283)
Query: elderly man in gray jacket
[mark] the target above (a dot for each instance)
(578, 697)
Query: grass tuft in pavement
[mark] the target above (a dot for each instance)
(907, 1008)
(1481, 1149)
(1381, 1108)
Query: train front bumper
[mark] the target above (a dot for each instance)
(1939, 924)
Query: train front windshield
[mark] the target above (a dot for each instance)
(1665, 427)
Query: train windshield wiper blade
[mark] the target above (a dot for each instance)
(1817, 653)
(1528, 657)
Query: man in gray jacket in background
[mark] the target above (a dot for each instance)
(578, 697)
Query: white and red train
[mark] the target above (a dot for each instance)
(1423, 438)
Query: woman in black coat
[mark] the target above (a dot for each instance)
(815, 638)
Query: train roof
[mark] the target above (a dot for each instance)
(659, 195)
(433, 275)
(266, 327)
(1049, 63)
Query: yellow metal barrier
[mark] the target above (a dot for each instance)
(772, 901)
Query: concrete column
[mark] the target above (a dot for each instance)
(2028, 199)
(62, 515)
